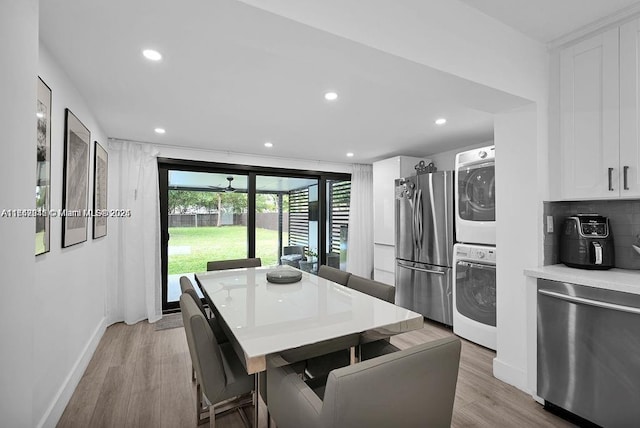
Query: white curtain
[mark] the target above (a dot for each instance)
(360, 252)
(135, 250)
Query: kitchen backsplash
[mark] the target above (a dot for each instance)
(624, 221)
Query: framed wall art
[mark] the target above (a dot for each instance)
(100, 169)
(43, 167)
(75, 190)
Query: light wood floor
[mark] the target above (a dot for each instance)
(140, 377)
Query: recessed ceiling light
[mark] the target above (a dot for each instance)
(160, 130)
(441, 121)
(350, 155)
(152, 55)
(40, 115)
(268, 144)
(331, 96)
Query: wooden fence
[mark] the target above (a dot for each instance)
(263, 220)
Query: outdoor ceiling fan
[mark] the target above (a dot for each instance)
(228, 189)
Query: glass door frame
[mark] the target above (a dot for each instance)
(167, 164)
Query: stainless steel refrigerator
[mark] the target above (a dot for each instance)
(424, 244)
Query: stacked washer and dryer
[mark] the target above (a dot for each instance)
(474, 254)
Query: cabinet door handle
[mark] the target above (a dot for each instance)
(626, 172)
(610, 178)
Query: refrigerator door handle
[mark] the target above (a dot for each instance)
(414, 232)
(436, 272)
(419, 220)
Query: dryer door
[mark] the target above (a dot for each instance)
(476, 192)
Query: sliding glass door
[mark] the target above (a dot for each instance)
(219, 212)
(206, 221)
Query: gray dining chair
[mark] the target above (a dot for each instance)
(321, 365)
(333, 274)
(381, 291)
(414, 387)
(372, 288)
(234, 264)
(187, 288)
(223, 383)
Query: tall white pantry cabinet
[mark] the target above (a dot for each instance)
(385, 172)
(599, 116)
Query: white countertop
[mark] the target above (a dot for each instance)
(624, 280)
(268, 318)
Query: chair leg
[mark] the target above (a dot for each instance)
(200, 409)
(212, 417)
(256, 391)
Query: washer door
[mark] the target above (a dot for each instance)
(477, 192)
(476, 292)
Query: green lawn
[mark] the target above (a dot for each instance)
(203, 244)
(39, 242)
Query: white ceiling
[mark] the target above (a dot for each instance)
(547, 20)
(234, 76)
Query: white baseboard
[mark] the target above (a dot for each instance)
(57, 406)
(511, 375)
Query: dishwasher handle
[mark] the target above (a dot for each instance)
(590, 302)
(436, 272)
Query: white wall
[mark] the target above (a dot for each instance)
(517, 214)
(446, 161)
(52, 306)
(18, 314)
(71, 283)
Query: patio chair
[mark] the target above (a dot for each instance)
(291, 255)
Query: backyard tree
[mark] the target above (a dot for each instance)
(236, 201)
(207, 200)
(181, 200)
(266, 202)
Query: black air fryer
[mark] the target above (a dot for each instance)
(586, 242)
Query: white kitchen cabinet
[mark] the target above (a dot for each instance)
(589, 122)
(385, 172)
(599, 115)
(629, 113)
(384, 262)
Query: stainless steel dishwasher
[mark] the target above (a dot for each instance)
(589, 352)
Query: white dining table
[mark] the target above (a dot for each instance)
(263, 319)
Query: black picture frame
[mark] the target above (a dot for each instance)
(75, 189)
(43, 168)
(100, 189)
